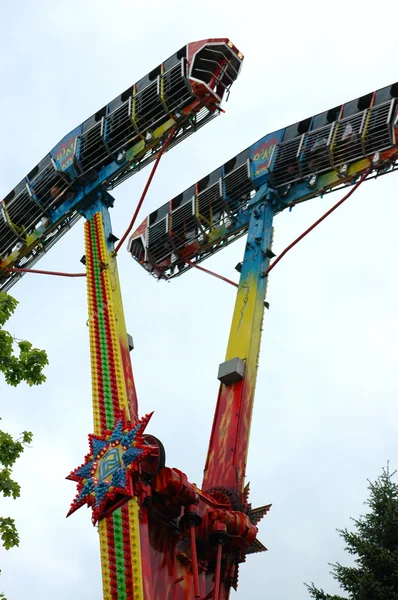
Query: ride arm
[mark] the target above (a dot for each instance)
(301, 162)
(115, 143)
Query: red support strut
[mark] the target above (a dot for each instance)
(218, 572)
(194, 557)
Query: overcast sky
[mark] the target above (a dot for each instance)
(325, 416)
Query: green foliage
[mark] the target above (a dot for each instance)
(8, 533)
(27, 365)
(8, 304)
(374, 543)
(10, 451)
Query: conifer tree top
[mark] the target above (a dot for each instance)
(374, 544)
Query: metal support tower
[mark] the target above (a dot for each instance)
(161, 537)
(113, 394)
(226, 459)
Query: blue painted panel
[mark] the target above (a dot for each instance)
(260, 155)
(64, 152)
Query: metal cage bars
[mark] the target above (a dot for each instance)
(22, 213)
(332, 146)
(197, 216)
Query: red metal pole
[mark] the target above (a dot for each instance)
(148, 183)
(217, 573)
(229, 441)
(40, 272)
(194, 557)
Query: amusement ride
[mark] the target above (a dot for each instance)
(161, 536)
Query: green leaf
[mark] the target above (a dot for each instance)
(9, 487)
(8, 533)
(29, 363)
(8, 304)
(27, 437)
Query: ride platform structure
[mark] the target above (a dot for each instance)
(162, 537)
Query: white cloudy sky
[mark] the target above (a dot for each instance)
(325, 415)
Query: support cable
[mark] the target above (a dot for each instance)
(326, 214)
(144, 193)
(189, 262)
(148, 183)
(192, 264)
(38, 272)
(290, 246)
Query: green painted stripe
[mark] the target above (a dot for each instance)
(109, 416)
(119, 554)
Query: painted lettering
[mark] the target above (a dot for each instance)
(265, 149)
(64, 154)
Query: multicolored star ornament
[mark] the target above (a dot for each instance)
(104, 479)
